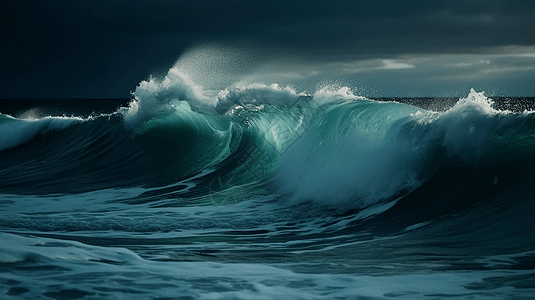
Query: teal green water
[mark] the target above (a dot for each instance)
(265, 193)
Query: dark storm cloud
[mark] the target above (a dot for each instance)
(104, 48)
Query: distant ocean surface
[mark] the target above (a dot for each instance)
(261, 192)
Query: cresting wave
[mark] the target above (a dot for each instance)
(331, 147)
(15, 132)
(224, 192)
(203, 189)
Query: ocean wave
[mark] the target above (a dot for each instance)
(15, 132)
(330, 147)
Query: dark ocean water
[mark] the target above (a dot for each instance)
(258, 192)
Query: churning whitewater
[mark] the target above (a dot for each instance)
(261, 191)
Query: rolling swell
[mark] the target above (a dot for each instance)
(103, 151)
(332, 147)
(87, 154)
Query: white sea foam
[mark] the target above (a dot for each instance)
(153, 97)
(60, 268)
(466, 129)
(256, 94)
(333, 94)
(207, 64)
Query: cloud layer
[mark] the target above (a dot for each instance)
(55, 48)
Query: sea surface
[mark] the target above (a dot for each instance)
(263, 192)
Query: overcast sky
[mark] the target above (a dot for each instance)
(104, 48)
